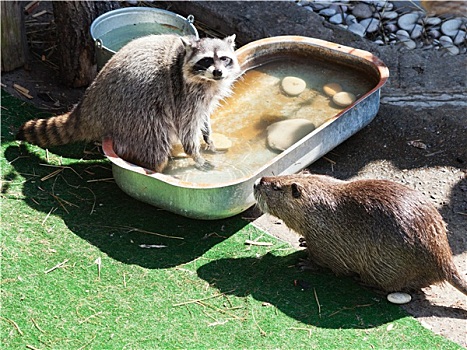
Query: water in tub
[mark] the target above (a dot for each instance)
(118, 37)
(262, 98)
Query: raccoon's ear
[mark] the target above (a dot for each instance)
(231, 40)
(189, 42)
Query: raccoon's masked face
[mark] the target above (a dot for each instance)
(211, 59)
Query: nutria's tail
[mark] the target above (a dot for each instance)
(457, 281)
(54, 131)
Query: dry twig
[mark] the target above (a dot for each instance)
(14, 324)
(59, 265)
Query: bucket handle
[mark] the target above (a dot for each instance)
(190, 19)
(99, 44)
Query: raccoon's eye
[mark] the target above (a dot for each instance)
(227, 61)
(204, 63)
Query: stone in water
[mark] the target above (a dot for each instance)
(221, 142)
(343, 99)
(399, 298)
(331, 89)
(293, 86)
(283, 134)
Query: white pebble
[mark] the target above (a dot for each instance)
(336, 19)
(410, 44)
(390, 15)
(343, 98)
(460, 37)
(453, 50)
(220, 141)
(293, 86)
(328, 12)
(330, 89)
(399, 298)
(432, 21)
(433, 33)
(357, 28)
(391, 28)
(402, 35)
(283, 134)
(445, 41)
(371, 24)
(349, 19)
(416, 31)
(408, 20)
(451, 26)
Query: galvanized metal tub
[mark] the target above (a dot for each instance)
(216, 201)
(155, 21)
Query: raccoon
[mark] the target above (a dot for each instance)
(154, 90)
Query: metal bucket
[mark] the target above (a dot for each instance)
(114, 29)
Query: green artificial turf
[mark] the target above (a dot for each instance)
(84, 266)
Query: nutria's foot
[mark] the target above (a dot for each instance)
(302, 242)
(305, 264)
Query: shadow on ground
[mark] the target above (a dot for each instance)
(318, 299)
(100, 213)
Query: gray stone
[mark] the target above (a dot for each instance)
(460, 37)
(432, 21)
(328, 12)
(336, 19)
(445, 41)
(408, 21)
(349, 19)
(362, 10)
(357, 28)
(391, 28)
(416, 31)
(451, 26)
(434, 33)
(371, 24)
(453, 50)
(410, 44)
(389, 15)
(402, 35)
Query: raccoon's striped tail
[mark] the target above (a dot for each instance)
(53, 131)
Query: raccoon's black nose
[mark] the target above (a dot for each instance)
(217, 73)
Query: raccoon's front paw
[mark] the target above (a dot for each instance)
(203, 164)
(210, 146)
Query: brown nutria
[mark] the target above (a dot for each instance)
(152, 91)
(386, 233)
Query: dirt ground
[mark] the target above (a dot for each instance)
(424, 148)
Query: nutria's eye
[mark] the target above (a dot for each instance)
(276, 187)
(295, 191)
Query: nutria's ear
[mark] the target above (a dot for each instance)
(231, 40)
(296, 190)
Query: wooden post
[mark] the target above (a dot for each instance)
(14, 43)
(75, 45)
